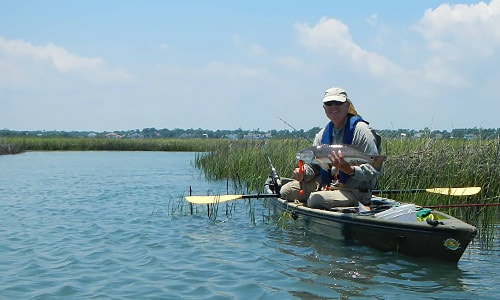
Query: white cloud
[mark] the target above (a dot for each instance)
(22, 55)
(331, 38)
(57, 56)
(461, 39)
(462, 30)
(391, 74)
(453, 69)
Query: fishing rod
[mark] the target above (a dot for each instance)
(301, 163)
(274, 174)
(300, 132)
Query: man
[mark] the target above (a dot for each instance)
(349, 184)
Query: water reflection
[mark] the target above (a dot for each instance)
(353, 270)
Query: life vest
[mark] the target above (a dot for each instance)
(326, 138)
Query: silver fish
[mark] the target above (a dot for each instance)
(319, 155)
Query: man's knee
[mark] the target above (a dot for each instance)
(316, 200)
(329, 199)
(291, 192)
(288, 191)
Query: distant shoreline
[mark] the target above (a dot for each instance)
(15, 145)
(153, 133)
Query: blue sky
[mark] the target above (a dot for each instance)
(119, 65)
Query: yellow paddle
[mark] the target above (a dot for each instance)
(463, 191)
(450, 191)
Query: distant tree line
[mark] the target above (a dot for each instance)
(149, 133)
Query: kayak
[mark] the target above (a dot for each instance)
(388, 225)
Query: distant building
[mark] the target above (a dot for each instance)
(113, 135)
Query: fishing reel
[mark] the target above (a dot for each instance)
(275, 182)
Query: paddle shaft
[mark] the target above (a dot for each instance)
(414, 191)
(374, 192)
(223, 198)
(259, 196)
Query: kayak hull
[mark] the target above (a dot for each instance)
(443, 237)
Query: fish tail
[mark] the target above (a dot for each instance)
(378, 161)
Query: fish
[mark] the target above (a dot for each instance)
(319, 155)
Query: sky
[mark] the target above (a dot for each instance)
(253, 65)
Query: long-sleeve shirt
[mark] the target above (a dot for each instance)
(366, 140)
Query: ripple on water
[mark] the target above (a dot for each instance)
(100, 225)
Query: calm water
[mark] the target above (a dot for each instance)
(113, 225)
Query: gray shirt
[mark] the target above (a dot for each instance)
(366, 140)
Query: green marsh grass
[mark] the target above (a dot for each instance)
(105, 144)
(430, 163)
(411, 164)
(244, 162)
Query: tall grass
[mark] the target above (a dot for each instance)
(411, 164)
(244, 162)
(447, 163)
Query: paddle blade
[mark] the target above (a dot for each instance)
(465, 191)
(212, 199)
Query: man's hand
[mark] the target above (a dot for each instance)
(338, 161)
(298, 175)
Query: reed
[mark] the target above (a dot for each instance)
(244, 162)
(447, 163)
(411, 164)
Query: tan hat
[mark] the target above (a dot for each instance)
(338, 94)
(335, 94)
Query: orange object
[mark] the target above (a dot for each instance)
(301, 171)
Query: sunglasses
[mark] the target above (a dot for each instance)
(336, 103)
